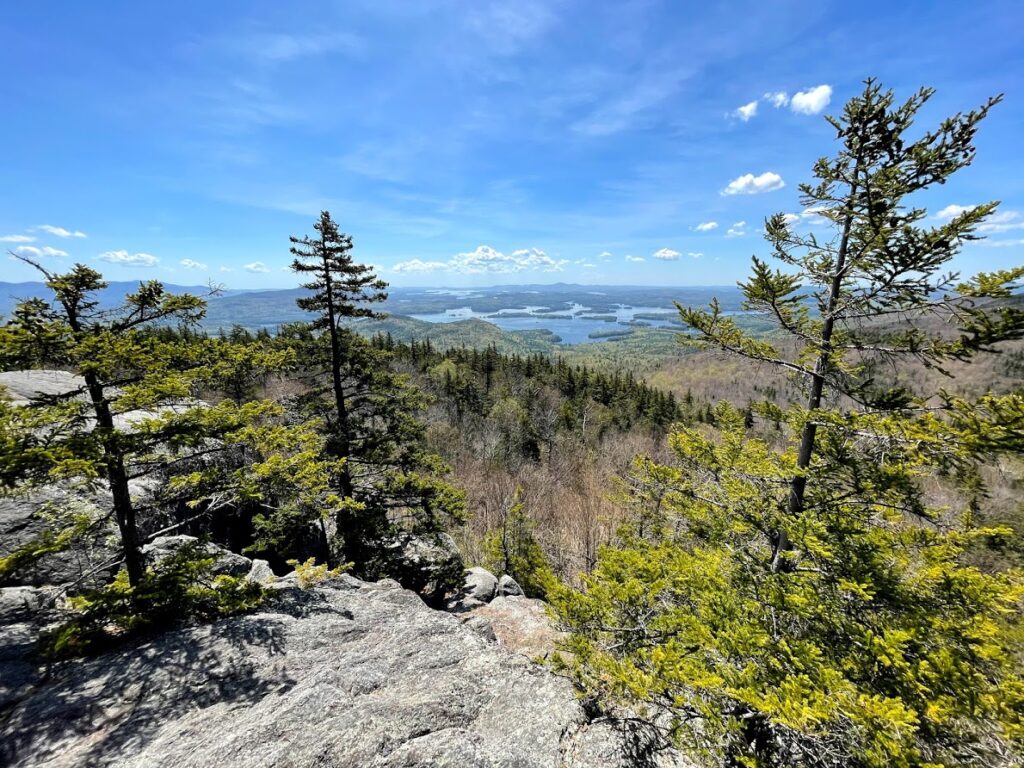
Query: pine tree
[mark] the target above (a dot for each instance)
(809, 606)
(341, 290)
(390, 485)
(131, 416)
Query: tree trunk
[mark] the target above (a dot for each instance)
(117, 481)
(343, 441)
(798, 484)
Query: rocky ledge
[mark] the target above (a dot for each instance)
(345, 673)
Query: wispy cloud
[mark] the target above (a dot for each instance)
(487, 260)
(507, 28)
(706, 226)
(257, 267)
(739, 229)
(997, 223)
(1001, 243)
(666, 254)
(60, 231)
(17, 239)
(635, 258)
(129, 259)
(190, 264)
(45, 250)
(622, 112)
(777, 99)
(696, 254)
(749, 184)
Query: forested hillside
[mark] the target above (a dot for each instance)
(787, 533)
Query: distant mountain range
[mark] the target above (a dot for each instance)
(262, 308)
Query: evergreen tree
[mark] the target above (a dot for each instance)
(390, 486)
(809, 606)
(133, 414)
(341, 290)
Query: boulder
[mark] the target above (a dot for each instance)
(226, 563)
(520, 624)
(480, 584)
(350, 675)
(429, 565)
(509, 587)
(261, 572)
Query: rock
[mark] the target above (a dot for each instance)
(21, 603)
(358, 675)
(521, 625)
(480, 584)
(26, 518)
(482, 627)
(227, 563)
(260, 572)
(431, 566)
(22, 386)
(507, 586)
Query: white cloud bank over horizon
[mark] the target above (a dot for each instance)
(487, 260)
(129, 259)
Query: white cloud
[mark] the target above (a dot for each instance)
(189, 264)
(417, 265)
(737, 230)
(257, 267)
(777, 98)
(605, 255)
(811, 101)
(46, 250)
(952, 211)
(635, 258)
(667, 254)
(60, 231)
(1001, 243)
(485, 259)
(17, 239)
(997, 223)
(706, 226)
(790, 218)
(749, 184)
(129, 259)
(695, 254)
(1002, 221)
(747, 111)
(225, 269)
(588, 265)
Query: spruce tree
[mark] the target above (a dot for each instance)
(341, 290)
(133, 414)
(390, 485)
(810, 604)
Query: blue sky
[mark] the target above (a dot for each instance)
(467, 143)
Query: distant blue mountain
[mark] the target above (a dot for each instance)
(262, 308)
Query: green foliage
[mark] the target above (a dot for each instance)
(309, 573)
(810, 604)
(513, 549)
(48, 542)
(384, 482)
(134, 414)
(178, 590)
